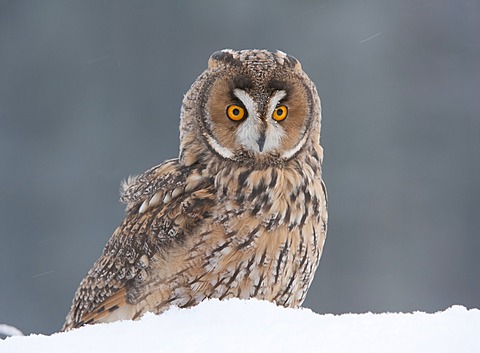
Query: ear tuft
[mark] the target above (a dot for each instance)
(221, 57)
(294, 63)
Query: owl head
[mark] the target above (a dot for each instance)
(250, 106)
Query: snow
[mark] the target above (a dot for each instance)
(258, 326)
(8, 330)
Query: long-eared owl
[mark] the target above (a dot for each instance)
(241, 213)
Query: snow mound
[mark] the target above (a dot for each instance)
(259, 326)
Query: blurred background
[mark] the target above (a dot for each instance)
(90, 92)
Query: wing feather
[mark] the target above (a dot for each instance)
(112, 281)
(112, 303)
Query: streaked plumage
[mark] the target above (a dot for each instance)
(241, 213)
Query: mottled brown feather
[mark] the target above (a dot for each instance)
(224, 220)
(105, 308)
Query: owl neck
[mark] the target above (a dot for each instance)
(254, 180)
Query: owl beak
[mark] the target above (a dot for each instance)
(261, 141)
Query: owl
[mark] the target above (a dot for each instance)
(241, 213)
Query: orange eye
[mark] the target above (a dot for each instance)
(280, 113)
(235, 112)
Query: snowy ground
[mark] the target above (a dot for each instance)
(255, 326)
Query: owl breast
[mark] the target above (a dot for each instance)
(262, 237)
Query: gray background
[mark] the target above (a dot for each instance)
(90, 92)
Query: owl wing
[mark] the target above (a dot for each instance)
(162, 206)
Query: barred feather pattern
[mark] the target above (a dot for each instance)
(256, 232)
(206, 226)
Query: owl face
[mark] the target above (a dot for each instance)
(251, 105)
